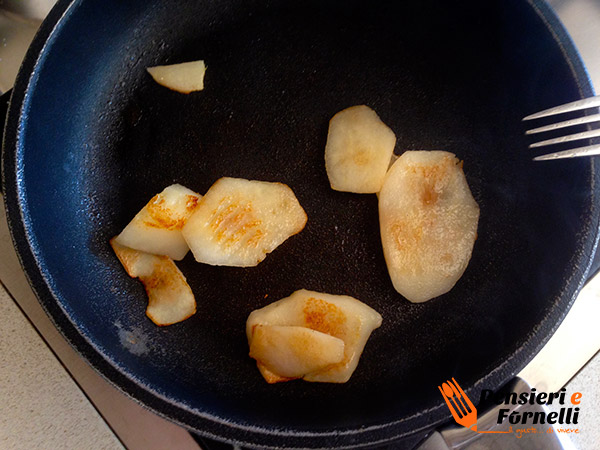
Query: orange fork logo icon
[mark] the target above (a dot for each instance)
(461, 407)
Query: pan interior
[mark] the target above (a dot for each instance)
(102, 138)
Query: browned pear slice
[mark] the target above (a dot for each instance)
(157, 227)
(270, 377)
(184, 77)
(292, 352)
(339, 316)
(358, 150)
(170, 299)
(238, 222)
(428, 221)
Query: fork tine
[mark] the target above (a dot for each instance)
(590, 150)
(568, 138)
(573, 106)
(566, 123)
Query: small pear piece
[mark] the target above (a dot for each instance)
(292, 352)
(157, 227)
(170, 299)
(358, 150)
(184, 77)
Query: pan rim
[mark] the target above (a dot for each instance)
(211, 425)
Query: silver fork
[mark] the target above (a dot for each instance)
(588, 150)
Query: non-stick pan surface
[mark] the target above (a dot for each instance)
(90, 138)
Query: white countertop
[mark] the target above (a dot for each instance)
(42, 406)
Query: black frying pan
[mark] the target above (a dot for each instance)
(90, 138)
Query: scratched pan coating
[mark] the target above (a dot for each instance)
(90, 138)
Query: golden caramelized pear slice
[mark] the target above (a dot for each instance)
(170, 299)
(157, 227)
(185, 77)
(339, 316)
(358, 150)
(428, 221)
(239, 221)
(292, 352)
(270, 377)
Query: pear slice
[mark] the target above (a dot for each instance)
(270, 377)
(239, 221)
(358, 150)
(157, 227)
(185, 77)
(170, 299)
(292, 352)
(428, 221)
(339, 316)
